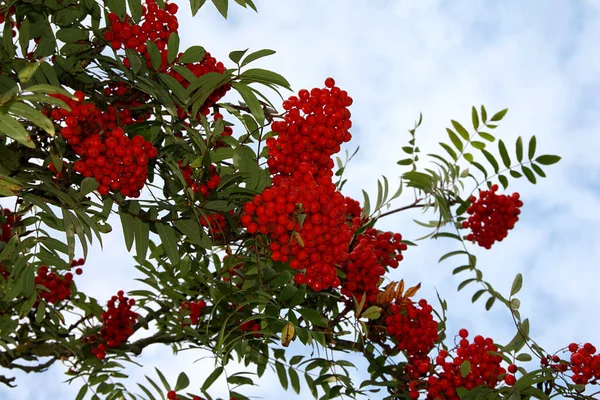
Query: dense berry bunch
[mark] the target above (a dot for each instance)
(353, 208)
(59, 286)
(371, 254)
(118, 163)
(117, 321)
(314, 127)
(412, 327)
(302, 212)
(199, 185)
(491, 216)
(8, 219)
(584, 363)
(485, 368)
(194, 308)
(157, 25)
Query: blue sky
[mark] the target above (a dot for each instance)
(397, 58)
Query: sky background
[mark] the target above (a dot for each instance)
(540, 59)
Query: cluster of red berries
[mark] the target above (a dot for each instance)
(251, 326)
(59, 286)
(302, 212)
(157, 25)
(117, 323)
(202, 186)
(8, 219)
(216, 223)
(584, 363)
(491, 216)
(77, 264)
(118, 163)
(413, 327)
(353, 208)
(442, 379)
(195, 308)
(371, 254)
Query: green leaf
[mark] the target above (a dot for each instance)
(532, 146)
(517, 284)
(406, 161)
(294, 380)
(212, 378)
(222, 6)
(478, 145)
(265, 76)
(372, 312)
(135, 6)
(499, 115)
(88, 185)
(182, 382)
(13, 129)
(9, 186)
(281, 374)
(547, 159)
(492, 160)
(172, 46)
(465, 368)
(529, 174)
(490, 303)
(31, 114)
(256, 55)
(251, 101)
(515, 174)
(142, 233)
(163, 379)
(82, 392)
(503, 180)
(524, 357)
(449, 150)
(72, 35)
(465, 283)
(487, 136)
(367, 205)
(538, 170)
(237, 55)
(519, 146)
(452, 254)
(195, 5)
(460, 129)
(483, 114)
(477, 295)
(169, 242)
(455, 139)
(474, 118)
(127, 223)
(504, 153)
(192, 55)
(155, 57)
(28, 71)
